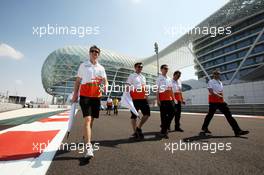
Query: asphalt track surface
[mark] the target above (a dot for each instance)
(120, 155)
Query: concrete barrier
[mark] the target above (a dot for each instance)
(9, 106)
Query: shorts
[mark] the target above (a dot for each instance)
(90, 106)
(141, 105)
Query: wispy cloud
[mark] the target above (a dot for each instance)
(10, 52)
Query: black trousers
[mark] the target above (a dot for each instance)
(167, 111)
(223, 107)
(115, 110)
(177, 115)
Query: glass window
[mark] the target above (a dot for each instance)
(244, 43)
(231, 57)
(260, 59)
(220, 60)
(230, 48)
(223, 78)
(239, 36)
(242, 53)
(261, 38)
(207, 57)
(224, 75)
(254, 30)
(229, 75)
(231, 66)
(217, 45)
(222, 68)
(217, 53)
(244, 72)
(249, 61)
(258, 48)
(229, 40)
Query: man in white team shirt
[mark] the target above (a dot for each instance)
(216, 101)
(177, 92)
(91, 75)
(109, 105)
(166, 100)
(137, 84)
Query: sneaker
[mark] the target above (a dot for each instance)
(164, 135)
(134, 136)
(206, 130)
(179, 130)
(89, 153)
(241, 132)
(139, 133)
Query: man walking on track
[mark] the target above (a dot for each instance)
(165, 99)
(137, 84)
(177, 91)
(109, 105)
(115, 102)
(91, 75)
(216, 101)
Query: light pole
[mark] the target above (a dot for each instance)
(64, 95)
(156, 47)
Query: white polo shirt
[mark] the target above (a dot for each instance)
(91, 78)
(136, 80)
(216, 85)
(109, 101)
(165, 88)
(164, 83)
(176, 86)
(138, 83)
(89, 72)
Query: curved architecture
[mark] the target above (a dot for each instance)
(60, 69)
(235, 55)
(224, 52)
(239, 55)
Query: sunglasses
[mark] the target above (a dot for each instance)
(96, 51)
(140, 67)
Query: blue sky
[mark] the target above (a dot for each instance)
(129, 27)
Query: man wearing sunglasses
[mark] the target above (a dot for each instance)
(216, 101)
(137, 83)
(165, 99)
(91, 75)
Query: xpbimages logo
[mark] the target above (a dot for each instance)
(196, 146)
(79, 31)
(213, 31)
(148, 89)
(80, 147)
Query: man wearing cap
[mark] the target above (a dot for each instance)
(216, 101)
(91, 75)
(137, 83)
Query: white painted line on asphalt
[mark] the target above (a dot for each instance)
(40, 164)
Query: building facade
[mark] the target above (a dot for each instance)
(60, 69)
(236, 55)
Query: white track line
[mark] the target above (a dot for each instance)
(38, 165)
